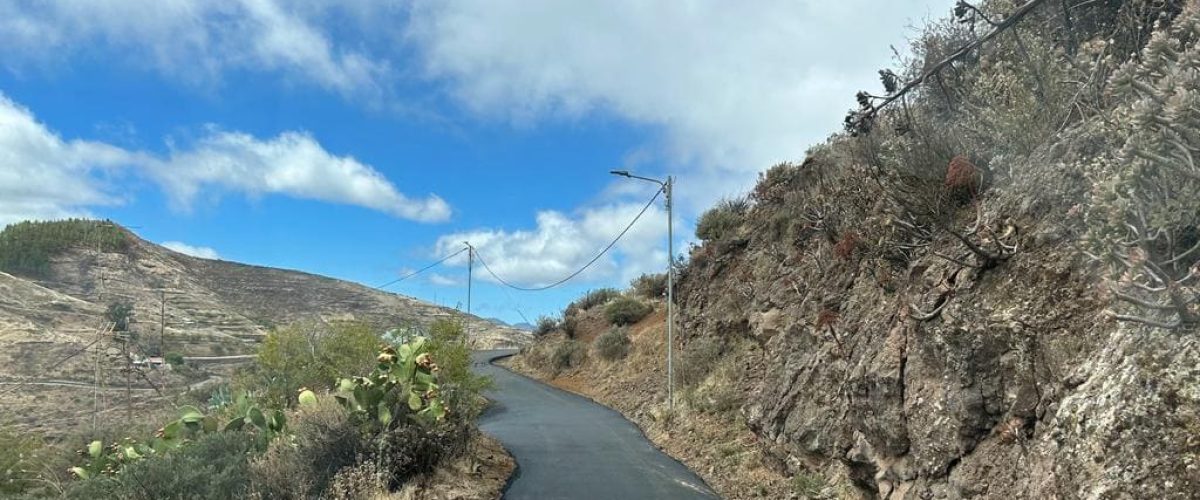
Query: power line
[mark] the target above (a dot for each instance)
(419, 271)
(61, 361)
(585, 266)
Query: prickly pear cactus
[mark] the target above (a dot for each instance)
(404, 382)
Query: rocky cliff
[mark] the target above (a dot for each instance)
(920, 343)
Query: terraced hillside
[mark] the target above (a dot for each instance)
(52, 342)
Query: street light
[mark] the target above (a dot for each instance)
(666, 188)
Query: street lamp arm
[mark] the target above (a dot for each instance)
(625, 173)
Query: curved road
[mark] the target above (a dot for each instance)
(569, 447)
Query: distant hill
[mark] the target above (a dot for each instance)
(57, 282)
(519, 326)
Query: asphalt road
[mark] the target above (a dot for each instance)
(569, 447)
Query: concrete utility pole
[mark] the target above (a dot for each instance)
(667, 190)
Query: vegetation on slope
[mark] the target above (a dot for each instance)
(919, 308)
(26, 248)
(371, 419)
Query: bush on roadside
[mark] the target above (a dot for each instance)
(592, 299)
(626, 311)
(174, 359)
(545, 326)
(570, 325)
(723, 220)
(461, 389)
(554, 357)
(650, 286)
(212, 466)
(613, 344)
(312, 355)
(324, 440)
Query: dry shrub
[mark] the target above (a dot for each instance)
(413, 449)
(324, 440)
(568, 354)
(613, 344)
(358, 482)
(827, 318)
(545, 325)
(698, 358)
(844, 249)
(963, 178)
(650, 286)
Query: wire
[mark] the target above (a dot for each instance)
(585, 266)
(419, 271)
(55, 365)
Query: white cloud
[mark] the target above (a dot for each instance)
(194, 251)
(440, 280)
(560, 244)
(194, 40)
(43, 176)
(733, 88)
(292, 163)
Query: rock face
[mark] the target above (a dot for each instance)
(1021, 387)
(918, 371)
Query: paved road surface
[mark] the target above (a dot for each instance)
(569, 447)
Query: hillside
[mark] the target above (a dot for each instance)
(984, 291)
(50, 319)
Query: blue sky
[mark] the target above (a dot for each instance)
(361, 140)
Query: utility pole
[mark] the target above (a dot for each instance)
(667, 187)
(162, 324)
(670, 295)
(470, 272)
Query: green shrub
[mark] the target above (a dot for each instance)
(723, 220)
(27, 247)
(545, 325)
(592, 299)
(212, 466)
(119, 314)
(626, 311)
(174, 359)
(310, 355)
(650, 286)
(461, 388)
(613, 344)
(18, 471)
(810, 485)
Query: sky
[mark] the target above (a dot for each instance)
(364, 140)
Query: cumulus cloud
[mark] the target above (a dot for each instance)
(562, 243)
(292, 163)
(194, 251)
(43, 176)
(195, 40)
(732, 89)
